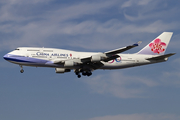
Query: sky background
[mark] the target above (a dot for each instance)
(142, 93)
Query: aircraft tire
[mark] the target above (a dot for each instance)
(79, 76)
(22, 71)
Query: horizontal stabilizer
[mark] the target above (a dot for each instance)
(161, 57)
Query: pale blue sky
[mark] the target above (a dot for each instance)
(148, 92)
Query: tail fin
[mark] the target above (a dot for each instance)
(157, 46)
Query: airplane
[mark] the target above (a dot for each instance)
(85, 62)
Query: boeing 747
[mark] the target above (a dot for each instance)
(86, 62)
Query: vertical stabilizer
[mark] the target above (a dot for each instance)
(158, 46)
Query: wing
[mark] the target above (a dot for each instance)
(109, 55)
(95, 61)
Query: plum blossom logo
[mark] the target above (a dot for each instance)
(157, 46)
(117, 60)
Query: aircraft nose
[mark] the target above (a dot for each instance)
(6, 56)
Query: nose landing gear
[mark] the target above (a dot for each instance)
(21, 69)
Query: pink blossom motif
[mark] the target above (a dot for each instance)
(157, 46)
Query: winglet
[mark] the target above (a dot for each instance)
(138, 43)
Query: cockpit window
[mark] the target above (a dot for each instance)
(16, 49)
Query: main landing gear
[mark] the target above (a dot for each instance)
(78, 74)
(84, 73)
(21, 69)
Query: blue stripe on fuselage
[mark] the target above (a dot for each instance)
(23, 59)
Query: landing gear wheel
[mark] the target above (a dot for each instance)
(84, 72)
(89, 73)
(79, 76)
(22, 71)
(77, 73)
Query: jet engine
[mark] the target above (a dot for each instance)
(97, 58)
(69, 64)
(62, 70)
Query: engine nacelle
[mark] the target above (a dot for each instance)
(96, 58)
(69, 64)
(62, 70)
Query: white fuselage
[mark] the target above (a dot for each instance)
(46, 57)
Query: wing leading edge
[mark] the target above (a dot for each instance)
(120, 50)
(109, 55)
